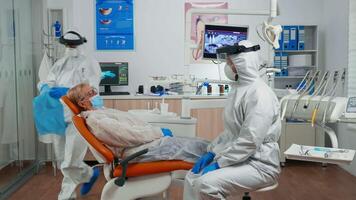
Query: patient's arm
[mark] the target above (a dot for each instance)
(121, 130)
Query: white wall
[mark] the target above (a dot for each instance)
(335, 32)
(159, 26)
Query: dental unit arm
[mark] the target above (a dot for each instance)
(320, 108)
(304, 107)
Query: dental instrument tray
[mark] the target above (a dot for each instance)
(320, 154)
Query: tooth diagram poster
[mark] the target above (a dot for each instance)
(115, 24)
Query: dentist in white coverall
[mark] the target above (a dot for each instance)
(73, 68)
(246, 154)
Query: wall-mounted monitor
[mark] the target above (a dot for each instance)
(216, 36)
(121, 71)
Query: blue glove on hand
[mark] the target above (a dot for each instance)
(213, 166)
(166, 132)
(44, 88)
(107, 74)
(58, 92)
(205, 160)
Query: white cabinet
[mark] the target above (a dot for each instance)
(299, 133)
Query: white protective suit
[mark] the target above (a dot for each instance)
(72, 69)
(120, 129)
(247, 151)
(125, 134)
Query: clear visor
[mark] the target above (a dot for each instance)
(221, 57)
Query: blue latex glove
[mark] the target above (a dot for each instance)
(205, 84)
(58, 92)
(48, 114)
(213, 166)
(107, 74)
(166, 132)
(205, 160)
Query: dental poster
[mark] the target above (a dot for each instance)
(114, 24)
(199, 21)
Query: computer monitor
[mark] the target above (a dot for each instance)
(120, 69)
(216, 36)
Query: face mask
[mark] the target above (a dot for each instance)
(73, 52)
(229, 73)
(97, 101)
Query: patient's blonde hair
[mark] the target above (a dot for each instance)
(75, 94)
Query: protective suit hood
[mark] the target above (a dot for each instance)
(247, 64)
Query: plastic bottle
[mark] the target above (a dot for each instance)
(226, 89)
(57, 29)
(221, 89)
(209, 89)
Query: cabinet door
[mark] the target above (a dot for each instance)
(174, 105)
(125, 105)
(210, 122)
(299, 133)
(109, 103)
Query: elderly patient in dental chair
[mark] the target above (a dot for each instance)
(125, 134)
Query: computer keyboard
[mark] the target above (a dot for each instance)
(114, 93)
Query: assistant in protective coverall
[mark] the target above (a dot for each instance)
(73, 68)
(246, 154)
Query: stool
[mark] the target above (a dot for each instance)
(265, 189)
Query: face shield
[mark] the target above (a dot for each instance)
(222, 53)
(72, 38)
(230, 55)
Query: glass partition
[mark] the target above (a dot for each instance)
(25, 82)
(18, 140)
(8, 111)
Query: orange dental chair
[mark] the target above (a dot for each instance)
(126, 181)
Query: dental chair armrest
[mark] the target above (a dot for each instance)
(133, 156)
(120, 181)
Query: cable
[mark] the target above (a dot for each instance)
(306, 91)
(333, 92)
(288, 97)
(327, 79)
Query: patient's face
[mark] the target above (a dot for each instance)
(87, 93)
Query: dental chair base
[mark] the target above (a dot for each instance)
(247, 194)
(137, 187)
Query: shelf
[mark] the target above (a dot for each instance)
(297, 51)
(289, 77)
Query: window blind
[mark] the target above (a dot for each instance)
(352, 50)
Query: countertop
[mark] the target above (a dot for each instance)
(143, 97)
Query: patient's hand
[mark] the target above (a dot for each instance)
(166, 132)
